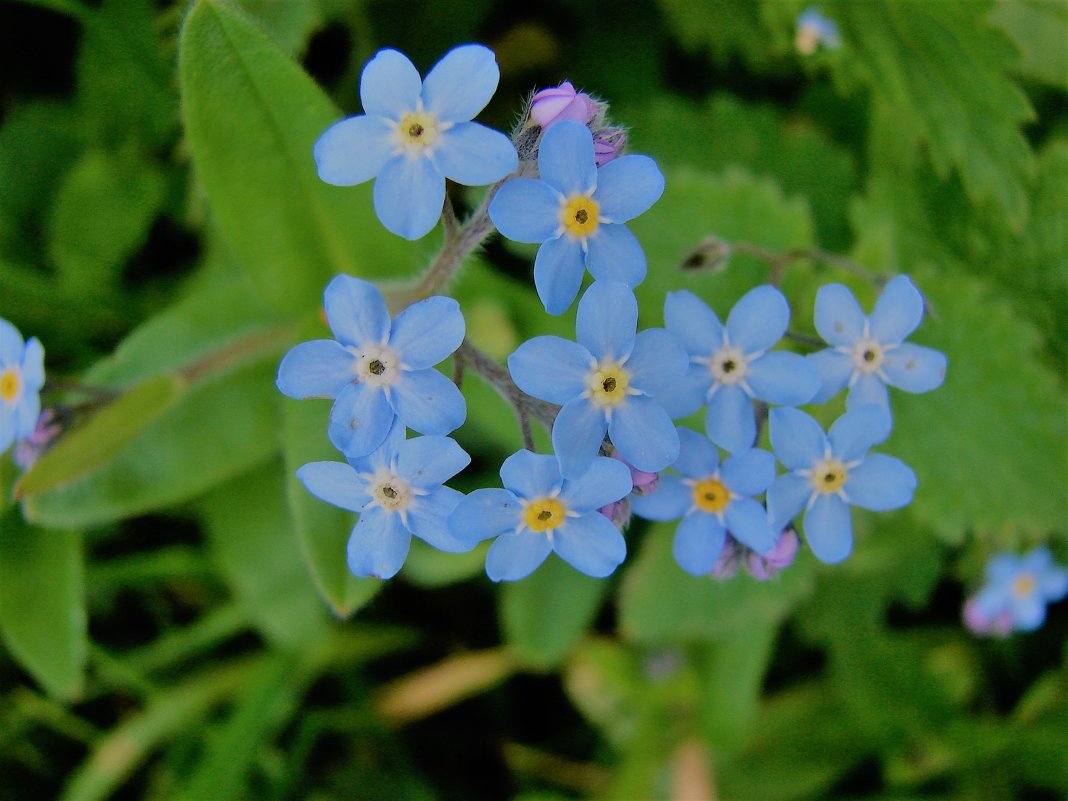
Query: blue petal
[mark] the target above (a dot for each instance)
(27, 413)
(839, 318)
(787, 496)
(8, 424)
(613, 254)
(428, 519)
(33, 365)
(785, 379)
(1053, 583)
(353, 150)
(835, 369)
(693, 322)
(515, 556)
(558, 270)
(462, 83)
(1002, 568)
(1028, 614)
(317, 369)
(378, 545)
(10, 344)
(485, 513)
(356, 311)
(427, 332)
(869, 390)
(577, 435)
(914, 368)
(527, 210)
(880, 483)
(897, 312)
(428, 402)
(657, 362)
(551, 368)
(758, 320)
(606, 481)
(607, 319)
(473, 155)
(1036, 560)
(381, 458)
(796, 438)
(409, 194)
(749, 473)
(628, 186)
(829, 529)
(698, 457)
(669, 501)
(685, 396)
(747, 522)
(359, 420)
(591, 544)
(336, 483)
(730, 421)
(644, 434)
(390, 85)
(428, 461)
(698, 543)
(855, 432)
(531, 475)
(565, 158)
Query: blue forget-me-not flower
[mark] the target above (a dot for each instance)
(868, 353)
(831, 472)
(416, 133)
(814, 30)
(378, 369)
(540, 511)
(606, 381)
(21, 379)
(398, 492)
(730, 365)
(576, 211)
(711, 499)
(1016, 593)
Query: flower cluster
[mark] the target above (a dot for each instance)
(1016, 593)
(21, 380)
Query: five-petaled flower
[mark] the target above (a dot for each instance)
(868, 353)
(21, 379)
(606, 381)
(1016, 593)
(416, 133)
(830, 472)
(539, 511)
(576, 211)
(398, 492)
(711, 498)
(378, 369)
(731, 365)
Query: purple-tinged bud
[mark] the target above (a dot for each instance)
(730, 559)
(607, 144)
(29, 450)
(781, 556)
(561, 103)
(642, 481)
(982, 624)
(618, 512)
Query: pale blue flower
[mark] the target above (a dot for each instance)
(815, 30)
(21, 379)
(576, 211)
(416, 133)
(539, 511)
(378, 369)
(398, 492)
(1017, 591)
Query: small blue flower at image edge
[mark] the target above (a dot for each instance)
(711, 499)
(576, 212)
(607, 381)
(1020, 588)
(416, 133)
(539, 512)
(21, 379)
(831, 472)
(870, 353)
(378, 369)
(731, 365)
(398, 492)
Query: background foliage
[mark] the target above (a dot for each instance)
(176, 617)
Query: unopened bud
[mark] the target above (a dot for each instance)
(561, 103)
(712, 255)
(607, 144)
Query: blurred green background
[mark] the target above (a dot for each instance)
(176, 617)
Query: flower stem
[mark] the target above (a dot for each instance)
(526, 408)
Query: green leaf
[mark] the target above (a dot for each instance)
(255, 548)
(1039, 29)
(426, 566)
(252, 116)
(731, 672)
(290, 23)
(605, 682)
(42, 604)
(725, 30)
(545, 614)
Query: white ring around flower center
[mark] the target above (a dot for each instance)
(418, 131)
(868, 355)
(391, 492)
(728, 365)
(375, 365)
(607, 384)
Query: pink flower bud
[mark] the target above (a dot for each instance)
(782, 555)
(29, 450)
(561, 103)
(607, 144)
(729, 560)
(980, 623)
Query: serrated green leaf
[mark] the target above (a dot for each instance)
(1039, 29)
(42, 604)
(724, 30)
(252, 116)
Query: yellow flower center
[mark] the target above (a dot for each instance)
(608, 383)
(544, 515)
(1023, 585)
(711, 495)
(9, 385)
(579, 216)
(829, 475)
(417, 131)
